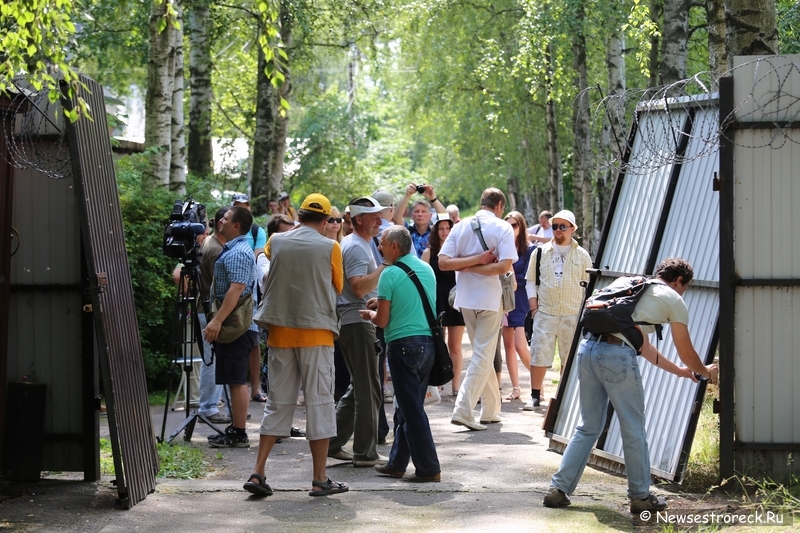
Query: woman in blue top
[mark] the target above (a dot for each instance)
(514, 333)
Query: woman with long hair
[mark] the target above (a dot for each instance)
(333, 229)
(514, 333)
(453, 321)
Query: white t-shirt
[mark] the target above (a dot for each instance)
(476, 291)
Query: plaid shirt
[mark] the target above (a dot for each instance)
(235, 264)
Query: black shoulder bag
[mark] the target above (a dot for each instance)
(442, 371)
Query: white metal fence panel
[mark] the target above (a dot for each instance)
(641, 199)
(691, 232)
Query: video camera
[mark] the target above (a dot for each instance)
(187, 221)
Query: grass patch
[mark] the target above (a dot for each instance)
(181, 461)
(157, 398)
(702, 471)
(767, 495)
(178, 461)
(106, 458)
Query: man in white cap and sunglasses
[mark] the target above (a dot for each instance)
(357, 410)
(556, 300)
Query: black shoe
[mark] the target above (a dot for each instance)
(555, 498)
(297, 432)
(231, 439)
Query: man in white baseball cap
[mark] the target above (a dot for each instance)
(357, 410)
(556, 301)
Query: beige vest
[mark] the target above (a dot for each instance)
(300, 292)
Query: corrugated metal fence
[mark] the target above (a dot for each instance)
(132, 435)
(672, 212)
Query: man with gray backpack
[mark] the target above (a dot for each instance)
(609, 371)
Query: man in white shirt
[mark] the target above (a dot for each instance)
(543, 231)
(479, 296)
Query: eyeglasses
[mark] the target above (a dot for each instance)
(334, 220)
(561, 227)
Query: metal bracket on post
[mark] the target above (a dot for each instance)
(102, 283)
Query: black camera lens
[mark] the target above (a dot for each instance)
(421, 189)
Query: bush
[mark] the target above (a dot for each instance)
(145, 211)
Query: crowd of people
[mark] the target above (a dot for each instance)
(343, 293)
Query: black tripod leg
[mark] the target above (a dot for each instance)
(189, 425)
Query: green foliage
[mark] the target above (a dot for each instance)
(145, 211)
(33, 37)
(702, 470)
(788, 15)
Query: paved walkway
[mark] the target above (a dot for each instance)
(492, 480)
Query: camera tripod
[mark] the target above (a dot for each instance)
(186, 332)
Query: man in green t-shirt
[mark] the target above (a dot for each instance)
(410, 350)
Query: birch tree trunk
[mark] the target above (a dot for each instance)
(553, 158)
(613, 136)
(675, 34)
(580, 109)
(717, 29)
(752, 28)
(177, 169)
(200, 155)
(160, 88)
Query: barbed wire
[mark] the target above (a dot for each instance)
(35, 133)
(679, 123)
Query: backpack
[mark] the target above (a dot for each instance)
(528, 323)
(610, 310)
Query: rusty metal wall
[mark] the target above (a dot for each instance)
(132, 435)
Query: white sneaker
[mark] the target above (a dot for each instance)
(528, 405)
(381, 460)
(432, 397)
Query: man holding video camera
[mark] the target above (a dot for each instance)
(234, 277)
(420, 227)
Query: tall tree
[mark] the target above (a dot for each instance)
(177, 166)
(612, 138)
(262, 187)
(164, 38)
(582, 176)
(199, 150)
(717, 35)
(553, 156)
(752, 28)
(675, 36)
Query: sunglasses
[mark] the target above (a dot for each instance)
(333, 220)
(561, 227)
(514, 224)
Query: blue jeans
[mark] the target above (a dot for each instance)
(210, 392)
(411, 360)
(608, 372)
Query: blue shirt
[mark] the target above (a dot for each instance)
(235, 264)
(420, 240)
(261, 242)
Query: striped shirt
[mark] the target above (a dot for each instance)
(235, 264)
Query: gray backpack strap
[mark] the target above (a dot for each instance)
(476, 227)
